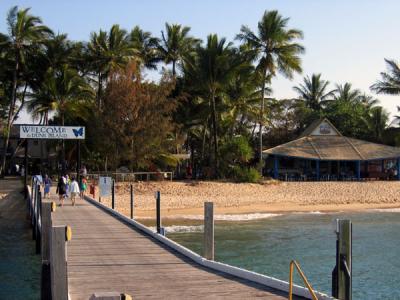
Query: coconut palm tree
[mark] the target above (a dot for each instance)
(26, 33)
(107, 51)
(313, 92)
(64, 92)
(212, 69)
(146, 47)
(346, 93)
(390, 82)
(377, 120)
(275, 49)
(176, 45)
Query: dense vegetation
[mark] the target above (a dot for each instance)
(213, 100)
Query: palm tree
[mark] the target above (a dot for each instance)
(275, 50)
(176, 45)
(212, 69)
(107, 51)
(313, 92)
(346, 93)
(26, 33)
(64, 92)
(377, 122)
(146, 47)
(390, 83)
(368, 101)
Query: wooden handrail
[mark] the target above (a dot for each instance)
(293, 264)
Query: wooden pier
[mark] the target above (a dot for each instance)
(106, 255)
(109, 253)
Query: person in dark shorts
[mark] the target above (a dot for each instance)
(61, 190)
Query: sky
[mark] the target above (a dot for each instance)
(345, 41)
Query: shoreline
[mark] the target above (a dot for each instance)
(274, 209)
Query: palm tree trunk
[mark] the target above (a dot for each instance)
(262, 114)
(6, 136)
(203, 143)
(173, 68)
(63, 164)
(215, 135)
(99, 89)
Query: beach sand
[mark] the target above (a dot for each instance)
(185, 199)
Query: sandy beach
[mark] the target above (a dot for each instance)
(185, 199)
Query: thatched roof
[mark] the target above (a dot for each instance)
(322, 141)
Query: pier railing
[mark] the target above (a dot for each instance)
(132, 177)
(51, 243)
(293, 264)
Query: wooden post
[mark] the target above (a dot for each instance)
(158, 211)
(34, 211)
(342, 274)
(112, 195)
(209, 230)
(78, 161)
(131, 201)
(276, 167)
(38, 217)
(46, 227)
(398, 168)
(58, 263)
(358, 169)
(26, 168)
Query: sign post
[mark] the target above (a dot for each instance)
(105, 184)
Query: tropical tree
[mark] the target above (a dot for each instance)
(377, 120)
(313, 92)
(213, 67)
(176, 45)
(275, 49)
(64, 92)
(25, 33)
(346, 93)
(108, 51)
(390, 82)
(146, 47)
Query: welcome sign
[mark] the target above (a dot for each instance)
(52, 132)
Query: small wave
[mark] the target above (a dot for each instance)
(180, 229)
(316, 212)
(236, 217)
(389, 210)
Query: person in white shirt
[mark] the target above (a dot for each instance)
(74, 189)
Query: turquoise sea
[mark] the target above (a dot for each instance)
(19, 265)
(268, 245)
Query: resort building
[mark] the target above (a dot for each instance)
(323, 153)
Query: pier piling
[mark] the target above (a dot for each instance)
(209, 230)
(131, 201)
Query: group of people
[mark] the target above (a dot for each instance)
(69, 188)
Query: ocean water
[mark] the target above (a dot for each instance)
(19, 265)
(268, 245)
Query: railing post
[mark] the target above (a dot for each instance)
(158, 211)
(113, 194)
(38, 227)
(58, 262)
(46, 228)
(342, 273)
(35, 193)
(209, 230)
(131, 201)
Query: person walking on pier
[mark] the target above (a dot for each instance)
(83, 187)
(61, 189)
(47, 185)
(74, 190)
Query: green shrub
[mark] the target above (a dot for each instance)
(243, 174)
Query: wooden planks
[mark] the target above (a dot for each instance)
(106, 255)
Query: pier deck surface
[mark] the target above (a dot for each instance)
(107, 255)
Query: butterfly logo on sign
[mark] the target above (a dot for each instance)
(78, 132)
